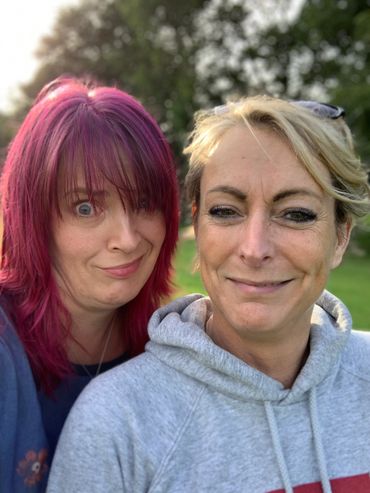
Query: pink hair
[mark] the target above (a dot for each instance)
(111, 136)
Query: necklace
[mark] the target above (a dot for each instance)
(101, 356)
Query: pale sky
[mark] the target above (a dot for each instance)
(22, 24)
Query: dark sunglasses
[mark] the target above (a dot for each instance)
(323, 110)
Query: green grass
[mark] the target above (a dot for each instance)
(186, 280)
(350, 282)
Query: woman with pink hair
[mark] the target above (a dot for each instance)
(90, 211)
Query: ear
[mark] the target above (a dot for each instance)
(343, 236)
(194, 216)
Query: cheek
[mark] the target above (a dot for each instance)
(206, 249)
(217, 245)
(212, 254)
(314, 257)
(68, 248)
(154, 229)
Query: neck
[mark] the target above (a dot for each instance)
(280, 359)
(281, 364)
(94, 333)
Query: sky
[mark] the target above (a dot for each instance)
(22, 24)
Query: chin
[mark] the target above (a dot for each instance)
(255, 323)
(115, 302)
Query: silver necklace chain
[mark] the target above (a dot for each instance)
(101, 356)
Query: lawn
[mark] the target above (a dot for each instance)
(350, 281)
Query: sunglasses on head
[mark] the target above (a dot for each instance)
(323, 110)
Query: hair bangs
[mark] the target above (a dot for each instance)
(95, 153)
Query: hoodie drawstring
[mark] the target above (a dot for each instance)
(319, 449)
(315, 424)
(277, 447)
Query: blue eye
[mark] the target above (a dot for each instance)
(85, 209)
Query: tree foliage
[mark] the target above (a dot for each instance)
(318, 49)
(144, 46)
(7, 130)
(178, 56)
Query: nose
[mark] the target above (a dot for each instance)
(124, 232)
(256, 240)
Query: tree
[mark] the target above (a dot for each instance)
(7, 130)
(338, 36)
(144, 46)
(246, 47)
(313, 49)
(178, 56)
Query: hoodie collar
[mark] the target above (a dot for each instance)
(177, 337)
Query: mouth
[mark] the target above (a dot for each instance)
(124, 270)
(259, 287)
(259, 283)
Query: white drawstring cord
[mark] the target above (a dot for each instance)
(277, 447)
(319, 449)
(325, 482)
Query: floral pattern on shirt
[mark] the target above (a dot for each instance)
(33, 467)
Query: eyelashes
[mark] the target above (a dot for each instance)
(87, 209)
(223, 212)
(300, 215)
(296, 215)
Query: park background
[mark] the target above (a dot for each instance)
(179, 56)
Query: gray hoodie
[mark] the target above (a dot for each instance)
(187, 416)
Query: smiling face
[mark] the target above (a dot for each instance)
(266, 235)
(103, 256)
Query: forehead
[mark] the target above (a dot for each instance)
(247, 157)
(93, 179)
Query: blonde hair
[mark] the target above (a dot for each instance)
(311, 137)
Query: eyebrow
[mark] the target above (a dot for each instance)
(296, 191)
(239, 195)
(84, 191)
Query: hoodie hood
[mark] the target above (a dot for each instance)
(177, 338)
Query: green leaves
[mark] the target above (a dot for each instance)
(179, 56)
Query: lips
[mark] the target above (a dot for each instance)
(260, 283)
(258, 287)
(124, 270)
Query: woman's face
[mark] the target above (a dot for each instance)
(103, 257)
(266, 236)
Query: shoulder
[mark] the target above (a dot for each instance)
(16, 382)
(359, 343)
(135, 413)
(8, 334)
(12, 352)
(356, 356)
(119, 426)
(15, 369)
(140, 401)
(10, 343)
(23, 443)
(144, 383)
